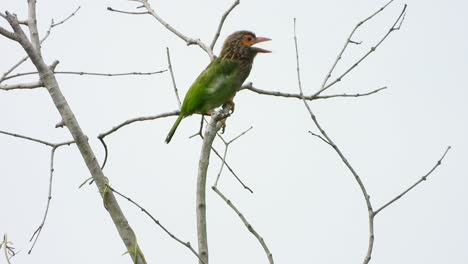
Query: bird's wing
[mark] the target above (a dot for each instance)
(213, 87)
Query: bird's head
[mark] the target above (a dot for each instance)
(239, 45)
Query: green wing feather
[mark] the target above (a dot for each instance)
(217, 84)
(213, 87)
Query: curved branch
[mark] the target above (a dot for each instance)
(188, 41)
(348, 41)
(423, 178)
(87, 73)
(250, 87)
(137, 119)
(396, 26)
(340, 154)
(220, 25)
(247, 224)
(50, 82)
(186, 244)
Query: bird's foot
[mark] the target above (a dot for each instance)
(223, 125)
(231, 104)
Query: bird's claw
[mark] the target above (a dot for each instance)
(231, 105)
(223, 127)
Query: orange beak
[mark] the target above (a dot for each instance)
(258, 40)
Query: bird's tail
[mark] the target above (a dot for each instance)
(173, 129)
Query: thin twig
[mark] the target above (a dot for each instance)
(88, 73)
(188, 41)
(343, 158)
(250, 87)
(199, 133)
(325, 86)
(220, 25)
(38, 231)
(125, 231)
(137, 119)
(226, 146)
(232, 171)
(65, 19)
(25, 58)
(54, 147)
(320, 137)
(27, 138)
(21, 86)
(157, 222)
(106, 152)
(169, 65)
(247, 224)
(8, 249)
(348, 41)
(127, 12)
(423, 178)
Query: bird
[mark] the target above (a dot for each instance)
(222, 78)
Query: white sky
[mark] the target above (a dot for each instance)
(306, 204)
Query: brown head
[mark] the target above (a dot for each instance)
(239, 45)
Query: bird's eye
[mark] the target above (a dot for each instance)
(249, 38)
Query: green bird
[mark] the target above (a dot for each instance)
(222, 78)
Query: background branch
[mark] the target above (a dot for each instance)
(25, 58)
(157, 222)
(210, 133)
(423, 178)
(247, 224)
(169, 65)
(250, 87)
(220, 25)
(48, 78)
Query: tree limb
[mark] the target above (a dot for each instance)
(48, 79)
(220, 25)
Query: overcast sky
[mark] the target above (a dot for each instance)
(306, 204)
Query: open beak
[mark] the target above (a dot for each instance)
(258, 40)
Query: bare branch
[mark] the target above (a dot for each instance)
(8, 34)
(23, 86)
(210, 133)
(32, 24)
(232, 171)
(325, 86)
(220, 25)
(25, 58)
(226, 146)
(157, 222)
(8, 249)
(247, 224)
(348, 40)
(137, 119)
(343, 158)
(28, 138)
(64, 20)
(169, 65)
(199, 133)
(38, 231)
(250, 87)
(188, 41)
(88, 73)
(423, 178)
(110, 203)
(351, 95)
(320, 137)
(54, 147)
(127, 12)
